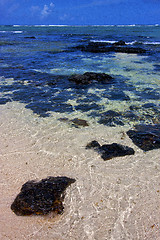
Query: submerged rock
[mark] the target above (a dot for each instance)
(94, 144)
(88, 107)
(111, 118)
(101, 47)
(4, 100)
(146, 137)
(119, 43)
(41, 197)
(75, 122)
(132, 50)
(90, 77)
(63, 119)
(32, 37)
(109, 151)
(80, 122)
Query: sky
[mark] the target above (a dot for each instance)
(79, 12)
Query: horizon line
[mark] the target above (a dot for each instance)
(79, 25)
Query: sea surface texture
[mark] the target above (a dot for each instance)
(36, 62)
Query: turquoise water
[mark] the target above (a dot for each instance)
(36, 61)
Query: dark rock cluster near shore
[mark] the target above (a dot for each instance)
(45, 196)
(40, 198)
(109, 151)
(103, 47)
(146, 137)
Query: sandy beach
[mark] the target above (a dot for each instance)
(116, 199)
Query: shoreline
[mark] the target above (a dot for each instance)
(115, 199)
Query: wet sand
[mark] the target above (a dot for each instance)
(116, 199)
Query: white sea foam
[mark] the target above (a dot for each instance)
(38, 25)
(51, 26)
(17, 31)
(137, 25)
(148, 43)
(102, 25)
(59, 26)
(127, 43)
(131, 43)
(11, 31)
(151, 43)
(103, 41)
(129, 25)
(112, 42)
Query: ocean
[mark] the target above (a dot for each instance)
(46, 122)
(36, 62)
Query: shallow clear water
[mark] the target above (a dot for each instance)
(36, 61)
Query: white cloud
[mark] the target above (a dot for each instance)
(52, 4)
(42, 12)
(47, 10)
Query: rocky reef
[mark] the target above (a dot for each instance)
(146, 137)
(40, 198)
(90, 77)
(109, 151)
(103, 47)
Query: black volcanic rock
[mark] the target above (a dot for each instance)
(111, 118)
(146, 137)
(94, 47)
(79, 122)
(90, 77)
(41, 197)
(94, 144)
(32, 37)
(4, 100)
(102, 47)
(119, 43)
(129, 50)
(109, 151)
(76, 122)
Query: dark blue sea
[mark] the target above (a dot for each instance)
(36, 62)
